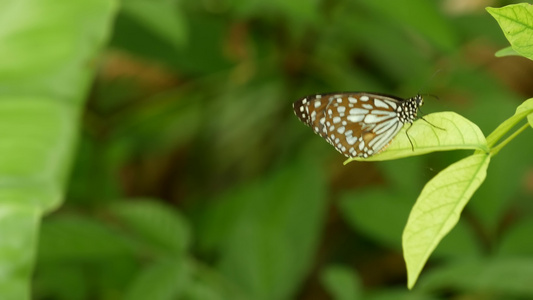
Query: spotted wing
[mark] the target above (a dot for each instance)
(361, 125)
(356, 124)
(311, 111)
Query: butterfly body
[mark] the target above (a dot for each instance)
(357, 124)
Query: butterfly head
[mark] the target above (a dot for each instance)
(407, 113)
(419, 100)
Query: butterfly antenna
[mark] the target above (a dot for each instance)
(428, 81)
(432, 95)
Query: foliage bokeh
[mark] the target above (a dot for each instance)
(194, 180)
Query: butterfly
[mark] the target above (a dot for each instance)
(357, 124)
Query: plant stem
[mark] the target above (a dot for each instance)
(505, 127)
(497, 149)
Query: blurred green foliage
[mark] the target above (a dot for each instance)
(193, 179)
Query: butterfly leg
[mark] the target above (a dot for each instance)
(409, 138)
(432, 124)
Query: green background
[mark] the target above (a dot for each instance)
(148, 150)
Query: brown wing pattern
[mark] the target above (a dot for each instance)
(356, 124)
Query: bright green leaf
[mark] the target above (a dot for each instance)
(509, 51)
(67, 35)
(516, 22)
(456, 133)
(438, 208)
(49, 48)
(342, 283)
(37, 136)
(386, 224)
(18, 241)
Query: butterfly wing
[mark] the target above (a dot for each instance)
(311, 111)
(356, 124)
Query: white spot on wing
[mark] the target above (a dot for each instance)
(355, 118)
(358, 111)
(371, 118)
(379, 103)
(391, 103)
(351, 140)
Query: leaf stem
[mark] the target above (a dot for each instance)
(505, 127)
(497, 149)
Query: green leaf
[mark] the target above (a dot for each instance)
(456, 133)
(342, 283)
(208, 284)
(381, 214)
(165, 124)
(61, 282)
(406, 64)
(37, 139)
(428, 22)
(18, 229)
(271, 239)
(77, 238)
(163, 18)
(378, 213)
(49, 48)
(165, 279)
(298, 11)
(438, 208)
(68, 36)
(516, 240)
(156, 225)
(517, 24)
(509, 51)
(507, 277)
(398, 294)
